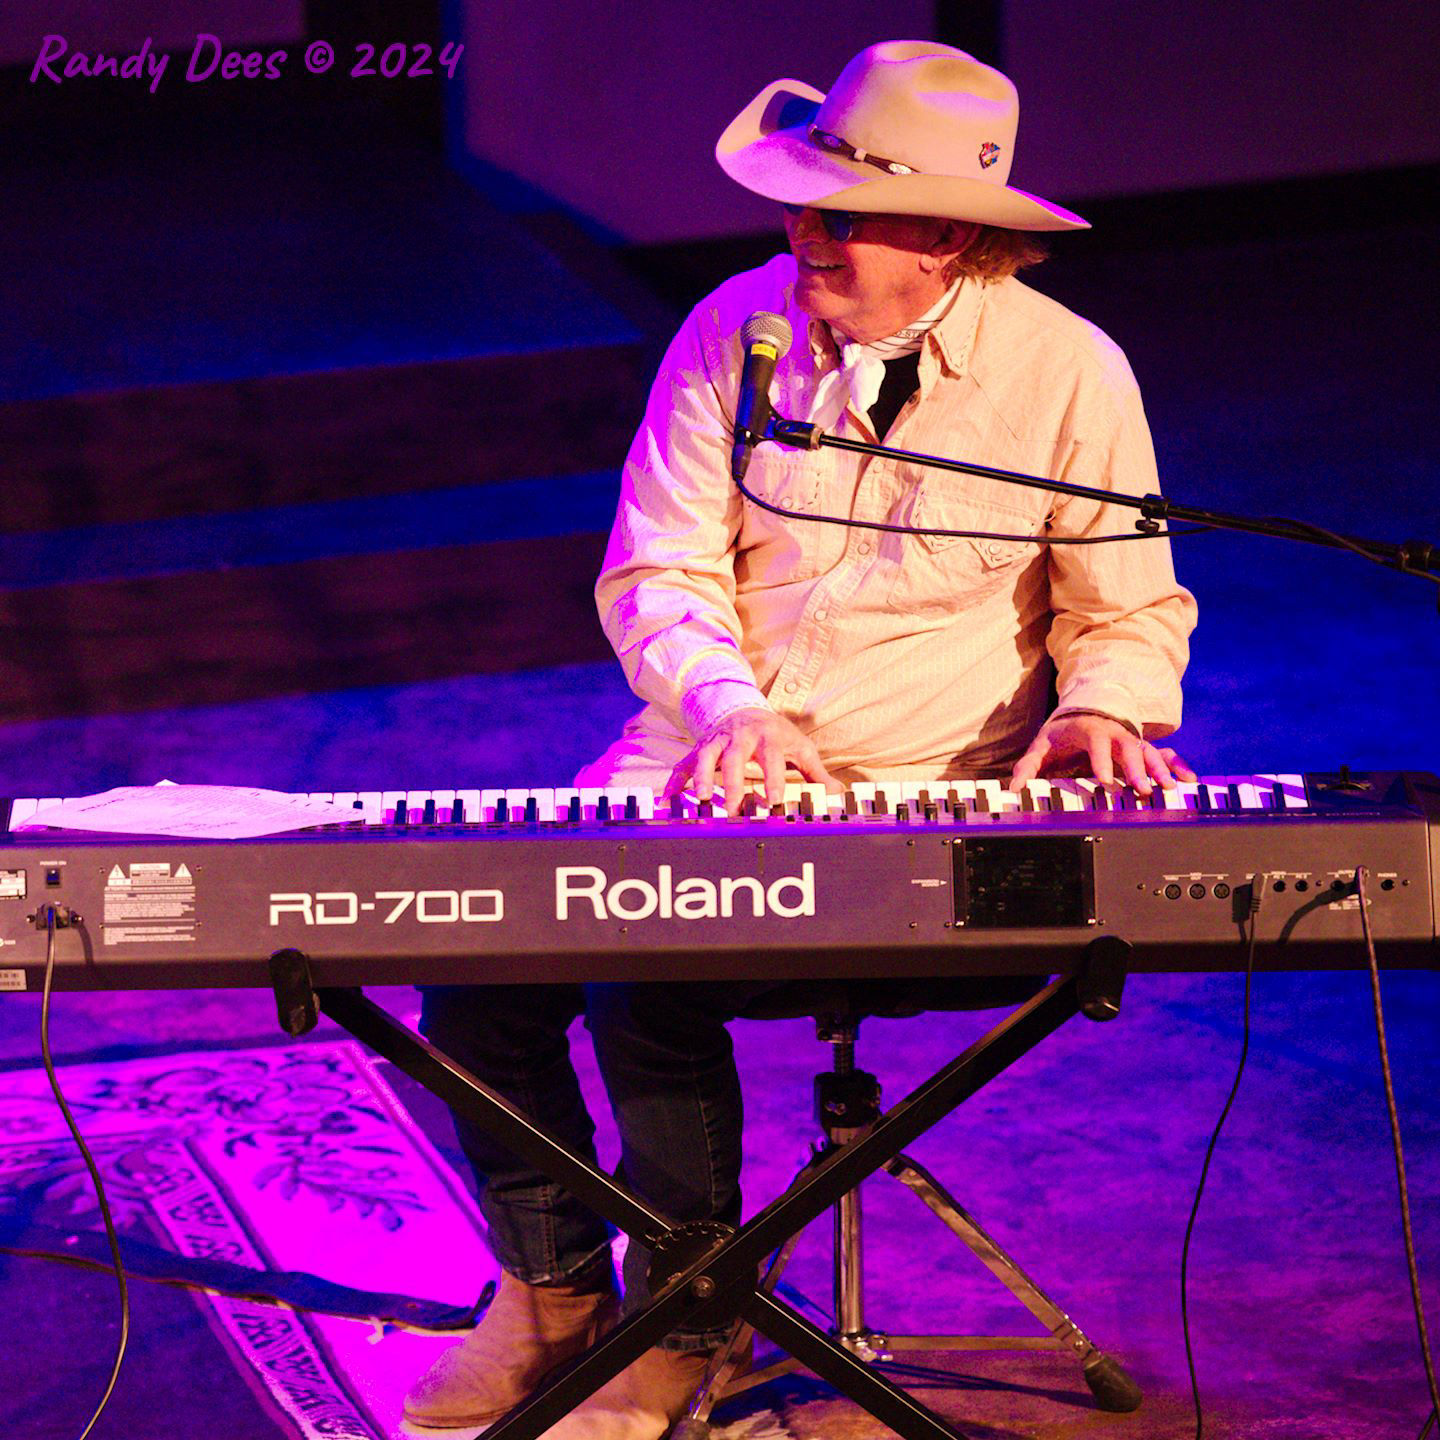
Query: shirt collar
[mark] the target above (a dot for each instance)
(952, 337)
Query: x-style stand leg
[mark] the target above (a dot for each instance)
(707, 1273)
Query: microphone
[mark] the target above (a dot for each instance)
(766, 337)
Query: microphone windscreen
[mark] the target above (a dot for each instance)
(767, 325)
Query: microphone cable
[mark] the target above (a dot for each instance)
(894, 529)
(59, 914)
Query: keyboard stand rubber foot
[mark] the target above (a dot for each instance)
(295, 1002)
(1112, 1388)
(1101, 982)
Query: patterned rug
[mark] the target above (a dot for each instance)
(298, 1161)
(292, 1172)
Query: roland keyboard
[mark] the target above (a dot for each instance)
(499, 885)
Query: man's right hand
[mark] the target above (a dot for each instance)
(755, 737)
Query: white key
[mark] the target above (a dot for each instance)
(1070, 794)
(864, 793)
(991, 790)
(470, 801)
(819, 800)
(415, 804)
(444, 801)
(644, 798)
(892, 792)
(1249, 794)
(389, 799)
(1182, 797)
(589, 799)
(1292, 790)
(515, 801)
(489, 805)
(1041, 794)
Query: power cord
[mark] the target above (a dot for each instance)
(59, 916)
(1394, 1115)
(1257, 891)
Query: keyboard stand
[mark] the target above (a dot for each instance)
(707, 1275)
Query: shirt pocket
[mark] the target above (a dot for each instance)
(943, 574)
(777, 549)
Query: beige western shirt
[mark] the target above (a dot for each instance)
(903, 655)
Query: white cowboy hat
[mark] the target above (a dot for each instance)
(909, 128)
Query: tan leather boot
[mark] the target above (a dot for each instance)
(640, 1403)
(526, 1333)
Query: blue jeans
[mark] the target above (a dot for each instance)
(669, 1069)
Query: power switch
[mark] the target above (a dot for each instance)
(52, 877)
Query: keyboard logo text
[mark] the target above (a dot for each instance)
(586, 890)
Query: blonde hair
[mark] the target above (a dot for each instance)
(995, 254)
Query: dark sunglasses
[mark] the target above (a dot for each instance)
(839, 224)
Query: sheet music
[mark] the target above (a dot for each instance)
(196, 812)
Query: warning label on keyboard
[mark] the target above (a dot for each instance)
(149, 902)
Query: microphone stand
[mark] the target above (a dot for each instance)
(1414, 557)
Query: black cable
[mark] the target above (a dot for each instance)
(90, 1165)
(1346, 543)
(464, 1322)
(1156, 534)
(1428, 1425)
(1394, 1115)
(1257, 890)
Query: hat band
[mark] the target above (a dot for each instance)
(825, 140)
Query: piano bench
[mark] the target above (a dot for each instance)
(847, 1102)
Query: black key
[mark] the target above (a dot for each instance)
(575, 813)
(632, 808)
(851, 805)
(532, 810)
(1027, 800)
(457, 812)
(706, 809)
(400, 816)
(502, 809)
(428, 815)
(677, 807)
(902, 813)
(602, 808)
(807, 805)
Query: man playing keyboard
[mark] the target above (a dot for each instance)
(762, 643)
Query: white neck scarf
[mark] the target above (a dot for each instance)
(856, 382)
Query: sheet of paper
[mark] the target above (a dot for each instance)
(197, 812)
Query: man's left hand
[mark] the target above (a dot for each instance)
(1066, 744)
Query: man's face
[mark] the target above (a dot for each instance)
(886, 274)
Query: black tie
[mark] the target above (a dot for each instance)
(902, 380)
